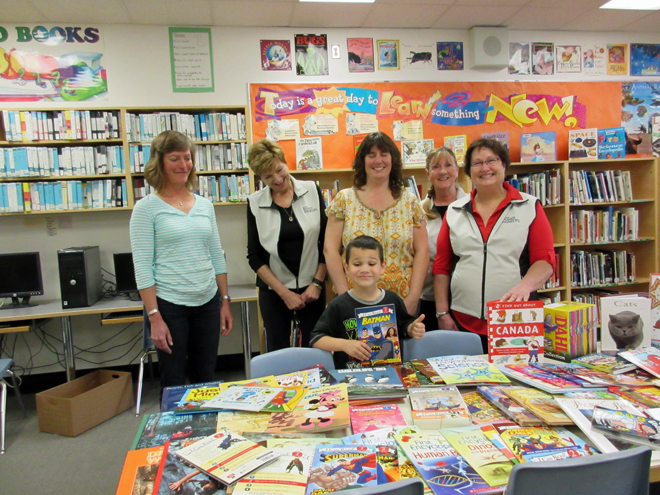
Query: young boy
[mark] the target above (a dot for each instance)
(336, 330)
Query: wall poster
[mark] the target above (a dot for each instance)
(191, 60)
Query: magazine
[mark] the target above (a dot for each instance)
(377, 327)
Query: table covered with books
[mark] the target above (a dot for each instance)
(459, 423)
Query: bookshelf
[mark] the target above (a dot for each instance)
(82, 160)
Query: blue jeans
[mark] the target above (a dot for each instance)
(195, 334)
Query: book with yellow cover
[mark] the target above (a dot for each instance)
(539, 403)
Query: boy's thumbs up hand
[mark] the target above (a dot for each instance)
(417, 329)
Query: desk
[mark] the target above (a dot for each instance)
(52, 308)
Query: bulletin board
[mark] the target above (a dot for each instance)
(339, 113)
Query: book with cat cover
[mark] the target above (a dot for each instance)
(606, 361)
(445, 471)
(625, 322)
(339, 467)
(647, 358)
(611, 143)
(481, 411)
(226, 456)
(370, 418)
(542, 443)
(570, 330)
(510, 408)
(377, 327)
(582, 144)
(438, 407)
(539, 403)
(538, 146)
(467, 370)
(140, 471)
(243, 398)
(626, 426)
(515, 332)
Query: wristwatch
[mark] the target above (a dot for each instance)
(225, 298)
(318, 283)
(438, 314)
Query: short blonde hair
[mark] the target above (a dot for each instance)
(167, 142)
(427, 204)
(262, 154)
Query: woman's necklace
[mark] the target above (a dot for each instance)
(289, 214)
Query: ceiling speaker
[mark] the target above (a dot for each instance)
(489, 47)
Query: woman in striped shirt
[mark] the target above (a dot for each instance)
(180, 264)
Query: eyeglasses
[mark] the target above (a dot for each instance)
(490, 162)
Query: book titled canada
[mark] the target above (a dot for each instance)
(515, 332)
(376, 326)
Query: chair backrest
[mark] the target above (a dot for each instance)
(289, 360)
(410, 486)
(442, 343)
(618, 473)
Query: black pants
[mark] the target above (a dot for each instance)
(277, 318)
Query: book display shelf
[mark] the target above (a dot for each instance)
(66, 160)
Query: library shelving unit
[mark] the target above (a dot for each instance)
(56, 160)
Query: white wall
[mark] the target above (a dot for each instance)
(137, 61)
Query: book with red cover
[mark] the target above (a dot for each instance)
(370, 418)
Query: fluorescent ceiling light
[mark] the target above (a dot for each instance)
(340, 1)
(632, 5)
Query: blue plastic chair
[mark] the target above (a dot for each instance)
(5, 365)
(289, 360)
(410, 486)
(618, 473)
(148, 351)
(442, 343)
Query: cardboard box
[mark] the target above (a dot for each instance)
(85, 402)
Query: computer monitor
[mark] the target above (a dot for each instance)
(125, 276)
(20, 279)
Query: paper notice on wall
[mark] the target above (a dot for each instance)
(407, 131)
(191, 60)
(361, 123)
(283, 130)
(321, 124)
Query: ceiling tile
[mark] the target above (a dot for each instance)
(251, 13)
(490, 3)
(649, 23)
(465, 17)
(543, 19)
(327, 15)
(24, 12)
(604, 20)
(403, 16)
(79, 11)
(170, 12)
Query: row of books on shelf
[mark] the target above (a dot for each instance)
(66, 161)
(229, 156)
(602, 266)
(220, 189)
(587, 186)
(592, 144)
(60, 125)
(604, 224)
(546, 185)
(62, 195)
(210, 126)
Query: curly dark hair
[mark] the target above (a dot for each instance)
(385, 144)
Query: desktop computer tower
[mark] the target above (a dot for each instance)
(80, 276)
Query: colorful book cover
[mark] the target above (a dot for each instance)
(625, 322)
(309, 153)
(494, 436)
(360, 54)
(519, 56)
(425, 370)
(243, 421)
(172, 396)
(538, 146)
(177, 476)
(376, 382)
(570, 330)
(501, 136)
(594, 59)
(377, 327)
(226, 456)
(567, 371)
(298, 441)
(607, 362)
(444, 470)
(438, 407)
(324, 377)
(388, 54)
(568, 59)
(514, 411)
(285, 400)
(415, 152)
(158, 428)
(195, 398)
(654, 294)
(481, 411)
(515, 332)
(383, 436)
(467, 370)
(408, 470)
(543, 61)
(482, 454)
(295, 379)
(642, 397)
(275, 54)
(407, 374)
(320, 409)
(617, 59)
(561, 383)
(458, 144)
(265, 381)
(582, 144)
(541, 443)
(370, 418)
(311, 54)
(611, 143)
(644, 59)
(450, 55)
(139, 472)
(628, 427)
(338, 467)
(647, 358)
(243, 398)
(539, 403)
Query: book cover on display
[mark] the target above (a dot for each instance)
(642, 397)
(275, 54)
(311, 54)
(539, 403)
(309, 153)
(407, 374)
(172, 396)
(467, 370)
(195, 398)
(481, 411)
(360, 54)
(510, 408)
(501, 136)
(339, 467)
(582, 144)
(285, 400)
(158, 428)
(438, 407)
(372, 383)
(570, 330)
(450, 55)
(568, 59)
(139, 472)
(243, 398)
(242, 421)
(425, 372)
(625, 322)
(628, 427)
(377, 327)
(611, 143)
(542, 443)
(370, 418)
(415, 152)
(541, 377)
(607, 362)
(538, 146)
(617, 59)
(654, 294)
(519, 56)
(458, 144)
(515, 332)
(647, 358)
(319, 376)
(543, 60)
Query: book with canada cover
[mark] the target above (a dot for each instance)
(370, 418)
(338, 467)
(583, 144)
(515, 332)
(438, 407)
(539, 404)
(226, 456)
(445, 471)
(467, 370)
(139, 472)
(377, 327)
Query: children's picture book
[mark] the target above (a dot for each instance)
(481, 411)
(543, 61)
(338, 467)
(647, 358)
(501, 136)
(320, 409)
(425, 370)
(172, 396)
(158, 428)
(371, 418)
(407, 374)
(318, 376)
(538, 146)
(519, 56)
(542, 443)
(265, 381)
(594, 59)
(295, 379)
(243, 398)
(539, 403)
(450, 55)
(275, 54)
(607, 362)
(388, 54)
(482, 454)
(415, 152)
(382, 436)
(139, 472)
(438, 407)
(654, 294)
(445, 471)
(582, 144)
(494, 436)
(570, 330)
(617, 59)
(644, 59)
(226, 456)
(408, 470)
(311, 54)
(377, 327)
(626, 426)
(467, 370)
(642, 397)
(195, 398)
(515, 332)
(458, 144)
(377, 382)
(548, 375)
(511, 409)
(611, 143)
(360, 54)
(285, 400)
(526, 374)
(309, 153)
(625, 322)
(242, 421)
(568, 58)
